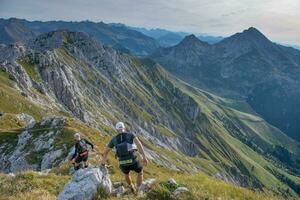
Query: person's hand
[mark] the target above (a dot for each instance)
(145, 161)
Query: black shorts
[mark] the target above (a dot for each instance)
(137, 167)
(83, 158)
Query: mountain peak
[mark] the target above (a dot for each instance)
(57, 38)
(248, 37)
(252, 29)
(253, 32)
(192, 40)
(191, 37)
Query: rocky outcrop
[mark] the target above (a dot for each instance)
(17, 159)
(17, 74)
(53, 122)
(50, 158)
(62, 85)
(8, 63)
(27, 119)
(35, 148)
(85, 184)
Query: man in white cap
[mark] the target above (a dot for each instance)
(81, 153)
(126, 145)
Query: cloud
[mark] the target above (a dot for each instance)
(277, 18)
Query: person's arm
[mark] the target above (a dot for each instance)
(104, 156)
(107, 149)
(141, 149)
(89, 143)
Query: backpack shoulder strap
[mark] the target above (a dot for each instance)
(119, 138)
(82, 142)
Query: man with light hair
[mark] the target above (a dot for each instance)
(81, 153)
(127, 146)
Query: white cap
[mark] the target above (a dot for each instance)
(120, 125)
(77, 135)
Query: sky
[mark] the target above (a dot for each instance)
(277, 19)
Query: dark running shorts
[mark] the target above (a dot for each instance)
(137, 167)
(83, 158)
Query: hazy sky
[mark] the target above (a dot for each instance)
(278, 19)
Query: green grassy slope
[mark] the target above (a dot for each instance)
(32, 185)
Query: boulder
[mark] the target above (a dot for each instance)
(119, 191)
(180, 190)
(117, 184)
(29, 120)
(85, 183)
(147, 184)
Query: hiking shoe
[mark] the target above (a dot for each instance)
(133, 188)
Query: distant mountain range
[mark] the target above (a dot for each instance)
(138, 41)
(134, 40)
(119, 37)
(245, 65)
(168, 38)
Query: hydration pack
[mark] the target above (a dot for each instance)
(82, 146)
(125, 151)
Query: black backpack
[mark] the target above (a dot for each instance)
(82, 146)
(122, 148)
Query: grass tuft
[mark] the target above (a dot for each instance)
(30, 69)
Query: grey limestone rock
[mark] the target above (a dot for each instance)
(84, 184)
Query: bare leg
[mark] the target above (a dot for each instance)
(76, 166)
(129, 182)
(139, 179)
(128, 179)
(86, 164)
